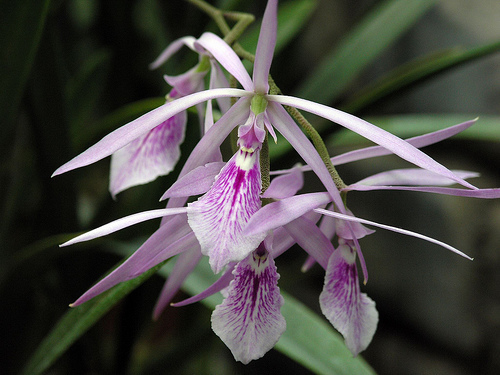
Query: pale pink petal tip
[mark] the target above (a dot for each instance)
(219, 216)
(351, 312)
(249, 320)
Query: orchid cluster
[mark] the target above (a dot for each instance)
(241, 222)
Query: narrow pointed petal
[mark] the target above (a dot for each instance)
(276, 214)
(124, 222)
(311, 239)
(479, 193)
(373, 133)
(134, 265)
(418, 142)
(152, 155)
(345, 231)
(196, 182)
(351, 312)
(413, 176)
(218, 217)
(225, 55)
(171, 49)
(265, 47)
(249, 320)
(391, 228)
(285, 186)
(184, 265)
(221, 283)
(134, 129)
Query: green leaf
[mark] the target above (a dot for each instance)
(487, 128)
(417, 71)
(21, 27)
(77, 321)
(361, 46)
(291, 17)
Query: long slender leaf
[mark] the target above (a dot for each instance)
(21, 27)
(417, 71)
(77, 321)
(382, 26)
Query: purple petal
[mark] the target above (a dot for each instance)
(350, 232)
(394, 229)
(196, 182)
(133, 266)
(277, 214)
(184, 265)
(225, 55)
(188, 82)
(125, 222)
(413, 176)
(265, 47)
(249, 320)
(351, 312)
(419, 141)
(285, 186)
(311, 239)
(373, 133)
(149, 156)
(218, 217)
(171, 49)
(127, 133)
(479, 193)
(219, 285)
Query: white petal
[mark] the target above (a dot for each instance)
(219, 216)
(249, 320)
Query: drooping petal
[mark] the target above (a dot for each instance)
(134, 129)
(418, 142)
(355, 230)
(265, 47)
(144, 256)
(219, 216)
(221, 283)
(311, 239)
(479, 193)
(184, 265)
(276, 214)
(351, 312)
(124, 222)
(413, 176)
(373, 133)
(391, 228)
(151, 155)
(196, 182)
(171, 49)
(249, 321)
(225, 55)
(285, 186)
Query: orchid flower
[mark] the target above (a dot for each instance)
(228, 223)
(156, 152)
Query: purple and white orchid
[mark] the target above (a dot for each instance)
(228, 222)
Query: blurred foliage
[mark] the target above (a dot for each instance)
(73, 70)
